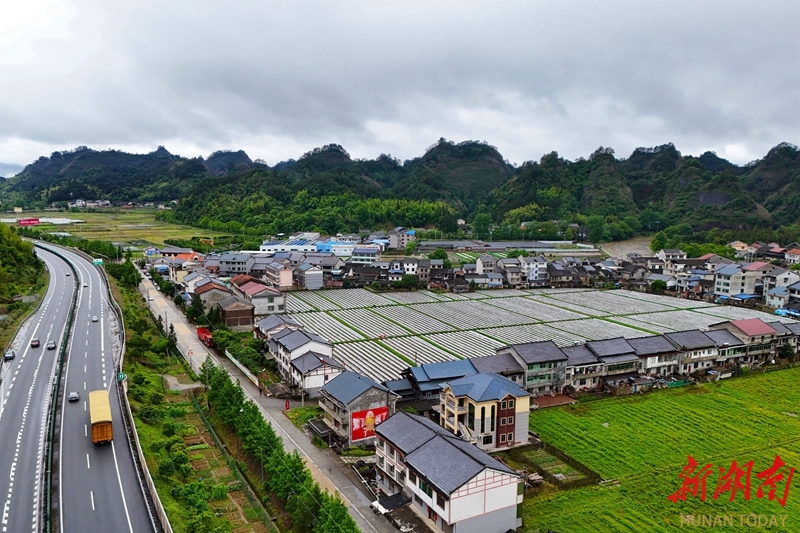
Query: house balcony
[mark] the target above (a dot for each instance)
(455, 408)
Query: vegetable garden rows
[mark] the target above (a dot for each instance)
(438, 327)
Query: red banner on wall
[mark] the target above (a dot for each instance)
(362, 423)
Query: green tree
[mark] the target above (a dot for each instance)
(659, 242)
(658, 286)
(481, 224)
(440, 253)
(334, 518)
(596, 228)
(411, 247)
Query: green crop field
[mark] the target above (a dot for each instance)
(122, 225)
(641, 444)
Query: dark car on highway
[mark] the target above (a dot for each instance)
(35, 343)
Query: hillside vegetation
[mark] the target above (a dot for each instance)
(327, 190)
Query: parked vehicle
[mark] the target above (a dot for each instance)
(204, 334)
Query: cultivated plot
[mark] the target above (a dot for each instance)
(466, 343)
(370, 323)
(558, 300)
(327, 327)
(534, 309)
(609, 301)
(657, 328)
(411, 297)
(296, 305)
(370, 359)
(727, 312)
(413, 320)
(532, 333)
(471, 315)
(680, 303)
(418, 350)
(314, 299)
(596, 329)
(675, 320)
(352, 298)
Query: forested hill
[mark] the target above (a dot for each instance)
(328, 190)
(20, 269)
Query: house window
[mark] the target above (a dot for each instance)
(281, 307)
(487, 440)
(510, 421)
(440, 500)
(471, 417)
(510, 404)
(391, 470)
(380, 461)
(424, 487)
(582, 382)
(503, 421)
(378, 442)
(391, 453)
(502, 437)
(270, 308)
(483, 419)
(503, 405)
(412, 477)
(491, 427)
(510, 437)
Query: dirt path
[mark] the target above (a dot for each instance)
(172, 383)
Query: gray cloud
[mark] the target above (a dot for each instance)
(278, 78)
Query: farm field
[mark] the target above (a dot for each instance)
(437, 327)
(641, 443)
(137, 227)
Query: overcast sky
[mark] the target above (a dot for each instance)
(278, 78)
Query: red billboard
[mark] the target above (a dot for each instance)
(28, 221)
(362, 423)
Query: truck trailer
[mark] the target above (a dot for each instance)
(100, 415)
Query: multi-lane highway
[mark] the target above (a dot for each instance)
(98, 487)
(95, 487)
(25, 402)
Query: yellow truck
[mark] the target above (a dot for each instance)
(100, 415)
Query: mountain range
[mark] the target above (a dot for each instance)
(647, 191)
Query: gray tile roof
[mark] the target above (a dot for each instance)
(794, 327)
(723, 336)
(348, 386)
(646, 346)
(312, 360)
(610, 347)
(296, 338)
(503, 362)
(779, 327)
(580, 355)
(274, 321)
(538, 352)
(235, 300)
(485, 387)
(693, 339)
(442, 459)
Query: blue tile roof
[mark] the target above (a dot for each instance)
(348, 386)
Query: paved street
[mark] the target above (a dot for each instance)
(325, 467)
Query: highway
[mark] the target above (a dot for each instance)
(98, 486)
(25, 401)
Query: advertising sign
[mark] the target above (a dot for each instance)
(28, 221)
(362, 423)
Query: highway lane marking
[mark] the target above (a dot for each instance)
(122, 491)
(87, 462)
(91, 494)
(85, 430)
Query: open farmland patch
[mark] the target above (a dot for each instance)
(677, 320)
(370, 323)
(466, 343)
(658, 328)
(534, 309)
(418, 350)
(532, 333)
(370, 359)
(328, 327)
(352, 298)
(296, 305)
(680, 303)
(597, 329)
(413, 320)
(728, 312)
(556, 291)
(643, 442)
(610, 301)
(505, 293)
(471, 315)
(314, 299)
(417, 297)
(559, 301)
(479, 295)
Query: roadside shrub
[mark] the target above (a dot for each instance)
(166, 467)
(150, 414)
(168, 429)
(155, 398)
(157, 446)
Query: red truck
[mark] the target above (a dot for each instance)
(205, 336)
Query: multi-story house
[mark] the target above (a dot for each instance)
(665, 254)
(619, 359)
(278, 275)
(312, 371)
(289, 344)
(657, 355)
(723, 280)
(488, 410)
(485, 264)
(584, 370)
(400, 237)
(697, 350)
(544, 364)
(761, 339)
(535, 270)
(308, 276)
(453, 484)
(233, 264)
(364, 255)
(266, 327)
(354, 406)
